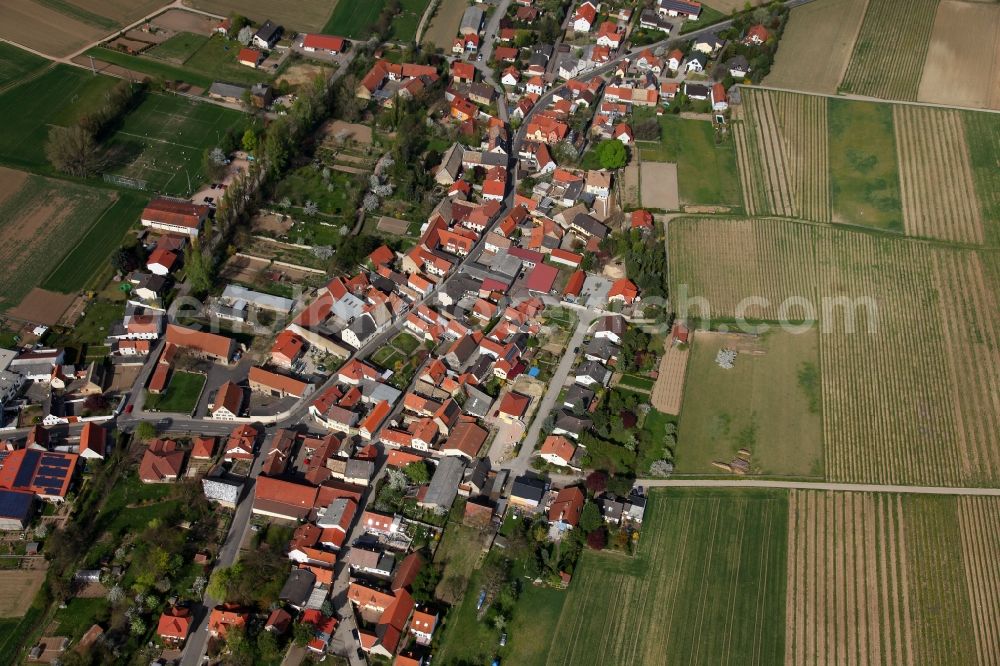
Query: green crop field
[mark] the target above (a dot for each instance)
(863, 165)
(768, 403)
(15, 63)
(59, 96)
(706, 587)
(354, 19)
(163, 141)
(982, 134)
(706, 171)
(41, 221)
(90, 255)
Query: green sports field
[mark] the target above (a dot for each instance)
(707, 586)
(163, 141)
(15, 63)
(60, 96)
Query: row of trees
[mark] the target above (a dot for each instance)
(75, 150)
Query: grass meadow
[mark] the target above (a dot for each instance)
(863, 165)
(59, 96)
(768, 403)
(16, 63)
(707, 586)
(706, 171)
(354, 19)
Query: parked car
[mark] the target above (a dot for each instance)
(482, 599)
(503, 639)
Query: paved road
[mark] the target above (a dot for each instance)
(520, 464)
(815, 485)
(228, 554)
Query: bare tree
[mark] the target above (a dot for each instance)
(73, 151)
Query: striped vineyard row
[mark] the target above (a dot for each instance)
(889, 53)
(741, 268)
(892, 579)
(936, 180)
(888, 414)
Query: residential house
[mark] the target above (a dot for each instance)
(267, 35)
(557, 450)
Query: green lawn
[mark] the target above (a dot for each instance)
(706, 171)
(181, 395)
(532, 625)
(308, 183)
(354, 19)
(641, 383)
(464, 639)
(16, 63)
(863, 168)
(214, 60)
(707, 17)
(91, 331)
(89, 257)
(60, 96)
(458, 552)
(706, 587)
(178, 48)
(768, 403)
(164, 139)
(406, 343)
(79, 615)
(404, 26)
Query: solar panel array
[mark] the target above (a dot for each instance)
(52, 472)
(27, 469)
(14, 504)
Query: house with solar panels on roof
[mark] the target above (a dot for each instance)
(46, 474)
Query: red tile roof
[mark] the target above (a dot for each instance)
(325, 42)
(230, 397)
(207, 343)
(514, 404)
(567, 506)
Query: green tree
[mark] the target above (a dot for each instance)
(590, 519)
(198, 270)
(249, 140)
(302, 634)
(612, 154)
(417, 473)
(145, 431)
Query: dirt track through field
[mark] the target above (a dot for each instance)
(937, 187)
(669, 388)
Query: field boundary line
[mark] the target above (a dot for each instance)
(865, 98)
(808, 485)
